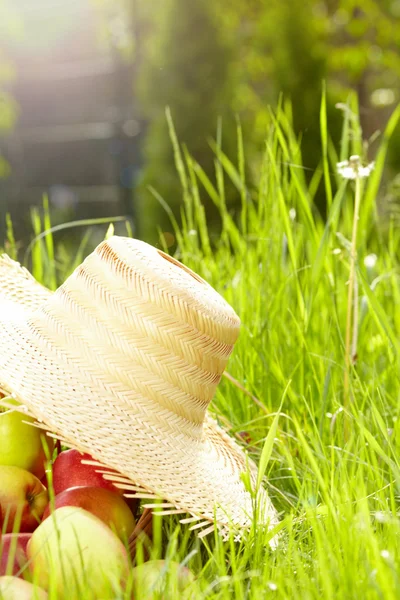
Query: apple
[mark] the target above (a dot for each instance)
(163, 578)
(13, 558)
(73, 551)
(107, 506)
(69, 472)
(22, 499)
(22, 445)
(13, 588)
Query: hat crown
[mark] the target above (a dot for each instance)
(162, 333)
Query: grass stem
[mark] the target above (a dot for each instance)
(352, 296)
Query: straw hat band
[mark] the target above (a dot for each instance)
(88, 325)
(150, 282)
(108, 363)
(147, 319)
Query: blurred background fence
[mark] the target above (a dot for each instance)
(84, 85)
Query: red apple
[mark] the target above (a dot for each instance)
(21, 444)
(74, 553)
(13, 556)
(69, 472)
(22, 499)
(106, 505)
(13, 588)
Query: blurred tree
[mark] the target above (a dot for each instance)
(8, 110)
(291, 47)
(208, 58)
(186, 69)
(364, 55)
(296, 35)
(116, 23)
(364, 44)
(211, 58)
(284, 49)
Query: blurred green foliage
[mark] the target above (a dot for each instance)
(230, 58)
(186, 68)
(218, 62)
(8, 109)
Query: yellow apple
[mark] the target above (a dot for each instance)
(13, 588)
(76, 554)
(23, 499)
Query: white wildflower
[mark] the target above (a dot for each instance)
(385, 554)
(272, 586)
(383, 97)
(353, 169)
(381, 517)
(292, 214)
(370, 261)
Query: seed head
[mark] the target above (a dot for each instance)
(353, 168)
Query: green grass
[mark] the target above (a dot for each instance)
(286, 277)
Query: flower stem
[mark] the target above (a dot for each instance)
(351, 313)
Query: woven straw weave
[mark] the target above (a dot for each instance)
(122, 362)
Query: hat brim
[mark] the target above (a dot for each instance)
(202, 477)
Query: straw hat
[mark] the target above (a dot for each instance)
(122, 362)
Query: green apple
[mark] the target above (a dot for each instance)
(73, 551)
(104, 504)
(23, 499)
(163, 578)
(13, 588)
(22, 444)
